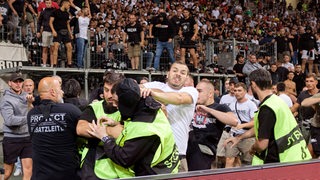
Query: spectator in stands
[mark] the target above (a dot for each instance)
(299, 78)
(134, 36)
(284, 45)
(286, 62)
(291, 86)
(29, 15)
(189, 34)
(4, 6)
(14, 107)
(42, 6)
(250, 66)
(60, 27)
(282, 72)
(15, 13)
(238, 67)
(53, 140)
(163, 30)
(82, 35)
(207, 126)
(307, 46)
(44, 31)
(294, 39)
(317, 56)
(265, 61)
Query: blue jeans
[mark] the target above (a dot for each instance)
(81, 51)
(294, 58)
(159, 49)
(149, 57)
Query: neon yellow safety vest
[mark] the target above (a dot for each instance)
(105, 168)
(291, 144)
(166, 158)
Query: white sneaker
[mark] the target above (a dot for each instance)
(17, 172)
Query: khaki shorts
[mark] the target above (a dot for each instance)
(243, 146)
(183, 165)
(134, 51)
(221, 150)
(47, 39)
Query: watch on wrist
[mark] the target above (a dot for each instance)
(105, 139)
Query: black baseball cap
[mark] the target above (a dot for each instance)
(16, 76)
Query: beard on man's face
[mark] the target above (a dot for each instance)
(255, 95)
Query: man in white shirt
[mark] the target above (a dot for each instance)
(281, 87)
(180, 104)
(82, 35)
(244, 109)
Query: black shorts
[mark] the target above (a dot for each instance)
(315, 139)
(188, 44)
(62, 36)
(16, 147)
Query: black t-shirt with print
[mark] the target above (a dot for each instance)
(54, 140)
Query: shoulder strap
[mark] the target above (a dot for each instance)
(242, 122)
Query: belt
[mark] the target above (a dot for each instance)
(182, 156)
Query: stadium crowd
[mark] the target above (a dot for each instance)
(257, 22)
(268, 113)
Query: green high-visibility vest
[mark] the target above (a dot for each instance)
(105, 168)
(166, 158)
(291, 144)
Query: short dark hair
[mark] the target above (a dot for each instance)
(112, 77)
(71, 88)
(239, 56)
(281, 87)
(182, 63)
(262, 78)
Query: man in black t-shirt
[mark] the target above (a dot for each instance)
(61, 31)
(52, 127)
(207, 126)
(163, 30)
(135, 40)
(306, 113)
(188, 33)
(237, 68)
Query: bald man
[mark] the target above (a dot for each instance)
(52, 127)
